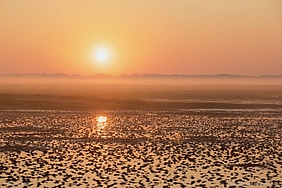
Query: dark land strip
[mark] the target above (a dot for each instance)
(57, 102)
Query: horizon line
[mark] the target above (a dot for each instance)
(58, 74)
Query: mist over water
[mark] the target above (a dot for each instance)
(133, 86)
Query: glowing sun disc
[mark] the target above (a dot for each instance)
(102, 54)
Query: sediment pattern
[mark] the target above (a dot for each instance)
(192, 148)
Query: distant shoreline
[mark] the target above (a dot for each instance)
(58, 102)
(147, 79)
(60, 96)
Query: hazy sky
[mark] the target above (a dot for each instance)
(146, 36)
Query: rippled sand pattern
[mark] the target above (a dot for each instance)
(193, 148)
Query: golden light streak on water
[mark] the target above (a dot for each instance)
(101, 119)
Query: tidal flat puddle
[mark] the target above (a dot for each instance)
(189, 148)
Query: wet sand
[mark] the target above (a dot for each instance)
(184, 148)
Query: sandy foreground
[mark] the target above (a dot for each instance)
(187, 148)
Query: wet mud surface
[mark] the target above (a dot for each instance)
(188, 148)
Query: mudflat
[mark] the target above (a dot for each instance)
(187, 148)
(201, 138)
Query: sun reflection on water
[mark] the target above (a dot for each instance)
(101, 119)
(98, 127)
(101, 124)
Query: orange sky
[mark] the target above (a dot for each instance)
(160, 36)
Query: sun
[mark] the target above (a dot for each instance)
(102, 54)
